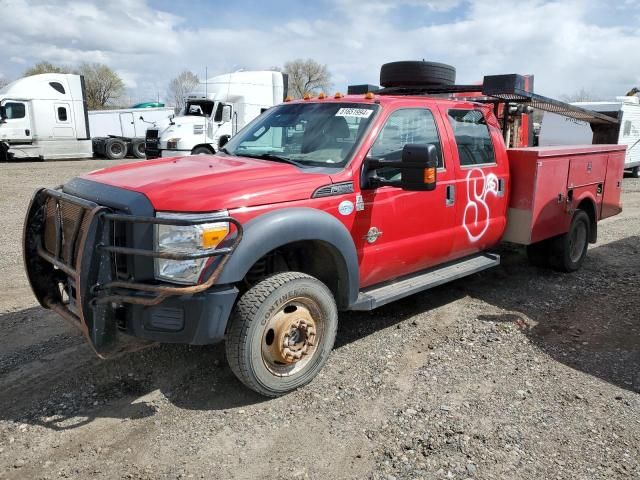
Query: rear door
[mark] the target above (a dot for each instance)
(127, 125)
(398, 232)
(481, 179)
(17, 126)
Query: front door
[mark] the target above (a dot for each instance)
(399, 232)
(17, 126)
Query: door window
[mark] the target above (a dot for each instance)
(15, 110)
(218, 116)
(472, 137)
(406, 126)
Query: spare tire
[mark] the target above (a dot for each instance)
(415, 73)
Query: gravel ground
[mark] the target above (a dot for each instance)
(513, 373)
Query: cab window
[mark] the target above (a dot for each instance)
(472, 137)
(406, 126)
(15, 110)
(218, 116)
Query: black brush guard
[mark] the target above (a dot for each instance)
(69, 260)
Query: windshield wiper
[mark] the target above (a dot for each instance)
(271, 156)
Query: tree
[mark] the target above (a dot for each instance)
(4, 82)
(46, 67)
(103, 85)
(307, 76)
(180, 86)
(582, 95)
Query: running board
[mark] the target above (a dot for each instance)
(377, 296)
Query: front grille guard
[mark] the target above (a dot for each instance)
(90, 269)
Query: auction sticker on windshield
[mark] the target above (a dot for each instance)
(354, 112)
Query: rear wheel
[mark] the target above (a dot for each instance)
(115, 149)
(635, 172)
(138, 148)
(570, 249)
(281, 333)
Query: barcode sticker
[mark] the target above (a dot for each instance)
(354, 112)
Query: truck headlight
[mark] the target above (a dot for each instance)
(172, 143)
(187, 239)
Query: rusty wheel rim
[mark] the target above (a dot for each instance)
(291, 337)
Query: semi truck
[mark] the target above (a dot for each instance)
(216, 110)
(559, 130)
(46, 117)
(319, 205)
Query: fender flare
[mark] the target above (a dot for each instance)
(277, 228)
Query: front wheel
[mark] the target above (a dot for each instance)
(281, 333)
(635, 172)
(201, 151)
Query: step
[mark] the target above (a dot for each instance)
(379, 295)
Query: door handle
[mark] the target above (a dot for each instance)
(450, 198)
(501, 187)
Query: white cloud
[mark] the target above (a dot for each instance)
(555, 40)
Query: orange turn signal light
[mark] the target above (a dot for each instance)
(307, 96)
(288, 99)
(429, 175)
(369, 96)
(321, 96)
(338, 95)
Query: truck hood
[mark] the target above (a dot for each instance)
(205, 183)
(182, 126)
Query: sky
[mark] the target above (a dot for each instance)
(567, 45)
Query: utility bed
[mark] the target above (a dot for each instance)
(549, 183)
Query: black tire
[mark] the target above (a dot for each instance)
(138, 148)
(412, 73)
(539, 253)
(570, 249)
(115, 149)
(201, 151)
(635, 172)
(268, 312)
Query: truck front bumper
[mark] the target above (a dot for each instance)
(84, 262)
(174, 153)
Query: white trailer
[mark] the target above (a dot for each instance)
(45, 116)
(116, 133)
(558, 130)
(215, 111)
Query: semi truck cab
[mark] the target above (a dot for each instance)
(317, 206)
(215, 111)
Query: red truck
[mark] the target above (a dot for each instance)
(318, 206)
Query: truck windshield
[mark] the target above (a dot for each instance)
(202, 108)
(306, 134)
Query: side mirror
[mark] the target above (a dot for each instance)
(418, 166)
(223, 141)
(226, 113)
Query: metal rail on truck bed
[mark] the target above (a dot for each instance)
(71, 249)
(508, 88)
